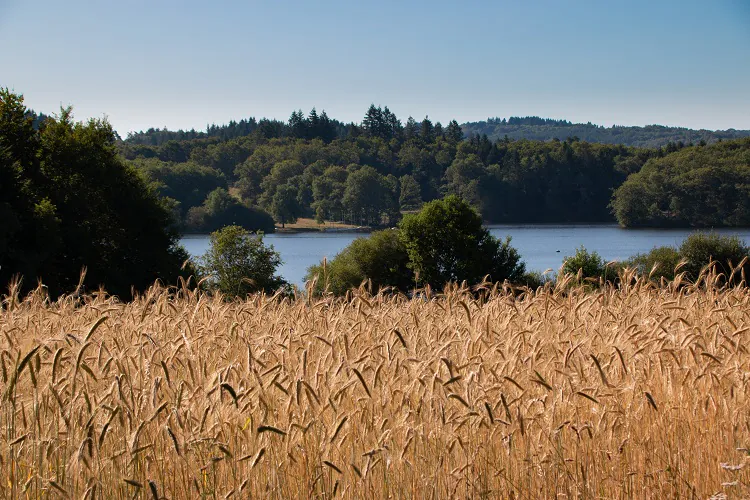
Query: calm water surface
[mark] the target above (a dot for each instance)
(541, 246)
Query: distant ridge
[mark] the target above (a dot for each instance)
(528, 127)
(545, 129)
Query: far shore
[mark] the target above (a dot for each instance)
(311, 226)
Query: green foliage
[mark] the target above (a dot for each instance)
(701, 186)
(284, 205)
(239, 263)
(370, 197)
(411, 195)
(589, 264)
(693, 255)
(71, 202)
(221, 209)
(187, 183)
(535, 279)
(366, 175)
(728, 252)
(512, 171)
(660, 262)
(446, 241)
(464, 177)
(380, 258)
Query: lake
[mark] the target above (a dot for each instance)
(541, 246)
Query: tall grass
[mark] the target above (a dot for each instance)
(629, 392)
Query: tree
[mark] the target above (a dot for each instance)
(700, 186)
(188, 183)
(284, 206)
(218, 201)
(427, 131)
(368, 196)
(454, 133)
(221, 209)
(377, 123)
(446, 242)
(298, 125)
(328, 192)
(463, 178)
(411, 129)
(281, 173)
(83, 206)
(411, 195)
(380, 258)
(238, 263)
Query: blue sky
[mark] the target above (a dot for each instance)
(183, 64)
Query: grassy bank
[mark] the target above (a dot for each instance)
(632, 393)
(306, 225)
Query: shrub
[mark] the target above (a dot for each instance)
(662, 260)
(700, 248)
(381, 258)
(590, 264)
(535, 279)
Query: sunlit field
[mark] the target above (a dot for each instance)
(629, 392)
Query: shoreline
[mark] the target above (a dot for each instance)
(541, 225)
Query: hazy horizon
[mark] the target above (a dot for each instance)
(185, 65)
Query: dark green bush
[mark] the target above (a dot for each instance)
(728, 252)
(535, 279)
(663, 259)
(381, 258)
(590, 264)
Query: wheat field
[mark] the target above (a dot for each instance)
(631, 392)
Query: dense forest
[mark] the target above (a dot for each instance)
(704, 186)
(545, 129)
(256, 173)
(370, 173)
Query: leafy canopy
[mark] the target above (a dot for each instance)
(589, 264)
(700, 186)
(445, 241)
(380, 258)
(238, 263)
(69, 201)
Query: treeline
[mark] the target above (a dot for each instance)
(157, 137)
(372, 172)
(312, 126)
(545, 129)
(368, 174)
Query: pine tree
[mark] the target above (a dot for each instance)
(411, 129)
(454, 132)
(427, 130)
(298, 124)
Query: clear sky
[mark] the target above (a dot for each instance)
(183, 64)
